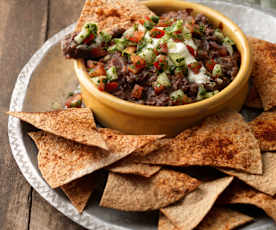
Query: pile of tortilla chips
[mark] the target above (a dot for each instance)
(190, 178)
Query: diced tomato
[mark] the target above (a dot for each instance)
(191, 50)
(158, 89)
(111, 86)
(98, 52)
(161, 62)
(182, 101)
(195, 67)
(163, 48)
(101, 85)
(156, 64)
(138, 62)
(157, 33)
(147, 18)
(98, 70)
(223, 52)
(220, 26)
(210, 65)
(137, 91)
(136, 36)
(89, 39)
(177, 36)
(74, 101)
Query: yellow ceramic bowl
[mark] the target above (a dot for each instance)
(132, 118)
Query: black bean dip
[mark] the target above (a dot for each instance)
(175, 59)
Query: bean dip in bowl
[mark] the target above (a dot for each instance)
(166, 72)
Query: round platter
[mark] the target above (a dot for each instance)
(47, 78)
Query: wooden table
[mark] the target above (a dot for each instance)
(24, 26)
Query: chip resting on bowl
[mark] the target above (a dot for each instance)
(264, 71)
(219, 218)
(62, 161)
(190, 211)
(222, 140)
(112, 14)
(264, 128)
(136, 193)
(74, 124)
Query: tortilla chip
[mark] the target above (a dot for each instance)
(220, 218)
(265, 182)
(73, 124)
(240, 193)
(128, 167)
(79, 191)
(222, 140)
(112, 14)
(62, 161)
(264, 128)
(253, 99)
(217, 219)
(190, 211)
(264, 71)
(135, 193)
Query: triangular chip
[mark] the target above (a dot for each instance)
(136, 193)
(128, 167)
(190, 211)
(253, 99)
(240, 193)
(222, 140)
(217, 219)
(79, 191)
(112, 14)
(220, 218)
(264, 71)
(265, 182)
(264, 128)
(73, 124)
(62, 161)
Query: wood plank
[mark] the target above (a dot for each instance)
(22, 26)
(43, 216)
(63, 13)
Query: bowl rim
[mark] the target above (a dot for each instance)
(147, 110)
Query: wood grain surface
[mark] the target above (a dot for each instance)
(24, 27)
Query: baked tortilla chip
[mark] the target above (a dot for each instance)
(265, 182)
(220, 218)
(190, 211)
(264, 71)
(62, 161)
(73, 124)
(217, 219)
(136, 193)
(253, 99)
(222, 140)
(264, 128)
(112, 14)
(240, 193)
(79, 191)
(128, 167)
